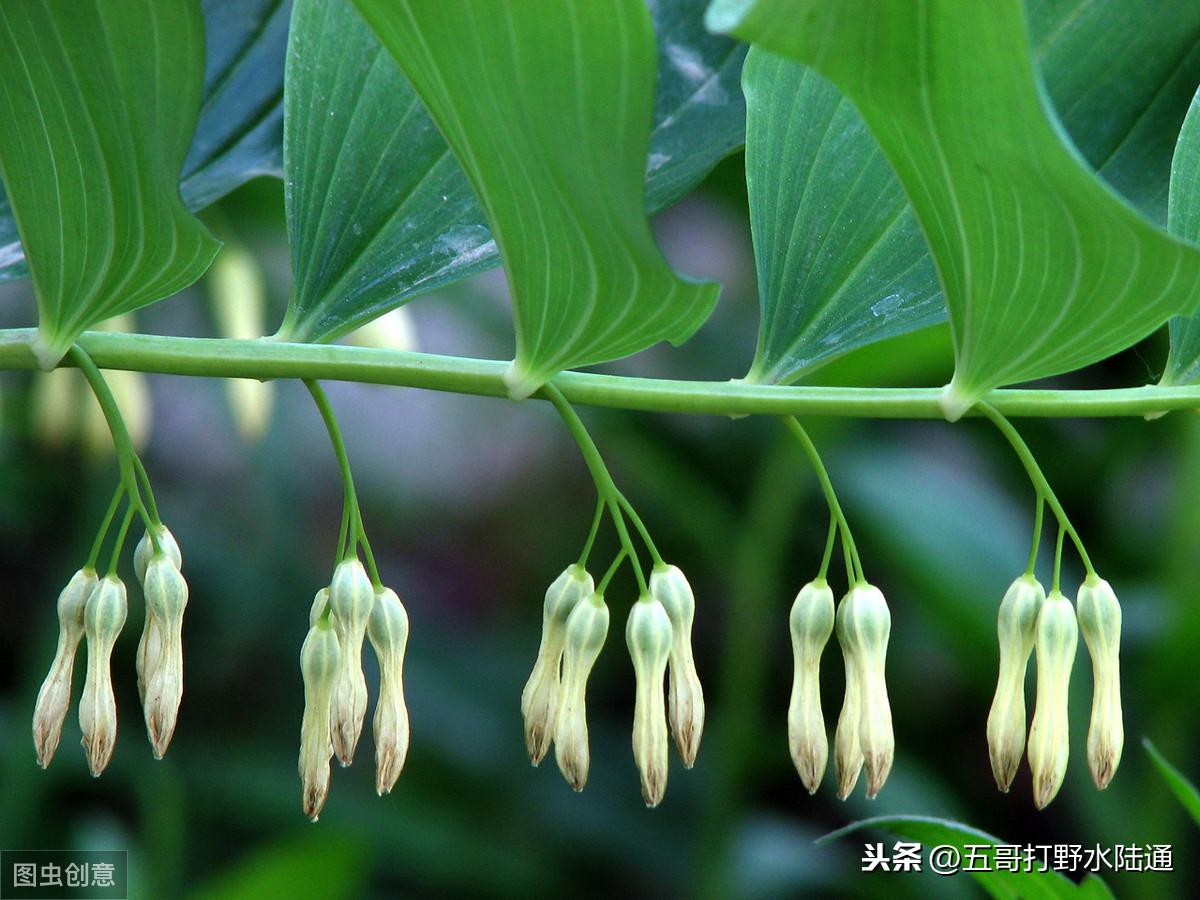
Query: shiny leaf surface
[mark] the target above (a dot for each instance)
(101, 100)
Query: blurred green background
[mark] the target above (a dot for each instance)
(475, 505)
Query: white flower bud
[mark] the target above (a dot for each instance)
(847, 749)
(648, 636)
(103, 617)
(150, 644)
(587, 626)
(1016, 628)
(867, 626)
(144, 550)
(166, 594)
(55, 694)
(352, 596)
(685, 694)
(1100, 623)
(319, 605)
(811, 622)
(1049, 745)
(539, 699)
(388, 631)
(320, 664)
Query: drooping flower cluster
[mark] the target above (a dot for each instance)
(160, 651)
(93, 610)
(343, 615)
(1030, 621)
(863, 737)
(575, 622)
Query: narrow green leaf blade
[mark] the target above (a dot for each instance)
(1180, 786)
(978, 845)
(1045, 269)
(549, 109)
(99, 98)
(1183, 220)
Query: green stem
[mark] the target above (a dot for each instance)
(127, 458)
(833, 530)
(368, 554)
(98, 543)
(343, 533)
(266, 359)
(1037, 535)
(605, 486)
(853, 563)
(1040, 484)
(120, 540)
(151, 504)
(353, 534)
(641, 528)
(612, 570)
(1058, 545)
(591, 538)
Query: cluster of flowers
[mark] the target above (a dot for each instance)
(659, 636)
(1032, 622)
(94, 609)
(864, 737)
(335, 690)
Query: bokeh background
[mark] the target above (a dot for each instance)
(474, 505)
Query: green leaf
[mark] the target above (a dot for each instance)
(369, 236)
(1120, 75)
(1180, 786)
(239, 134)
(1045, 269)
(99, 100)
(549, 108)
(841, 260)
(840, 256)
(378, 208)
(1183, 219)
(1020, 885)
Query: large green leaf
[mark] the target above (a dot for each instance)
(1185, 792)
(840, 257)
(1120, 75)
(379, 210)
(99, 99)
(1183, 219)
(239, 132)
(978, 847)
(549, 108)
(1045, 269)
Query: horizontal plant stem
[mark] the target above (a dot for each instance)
(266, 359)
